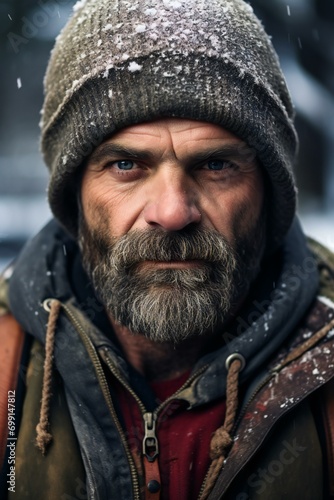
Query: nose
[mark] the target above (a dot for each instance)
(173, 206)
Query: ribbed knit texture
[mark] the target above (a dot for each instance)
(118, 63)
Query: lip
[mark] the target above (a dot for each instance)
(174, 264)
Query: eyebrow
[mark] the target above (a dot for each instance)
(112, 149)
(236, 152)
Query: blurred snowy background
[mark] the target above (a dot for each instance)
(303, 34)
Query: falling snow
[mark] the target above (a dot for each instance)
(19, 83)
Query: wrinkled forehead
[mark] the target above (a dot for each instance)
(174, 137)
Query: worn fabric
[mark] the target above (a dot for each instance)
(63, 472)
(118, 63)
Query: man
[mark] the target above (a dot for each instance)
(188, 348)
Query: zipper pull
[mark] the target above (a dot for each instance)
(150, 441)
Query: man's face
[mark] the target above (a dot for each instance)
(172, 226)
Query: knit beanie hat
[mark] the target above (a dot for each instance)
(120, 62)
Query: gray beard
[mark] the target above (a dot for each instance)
(170, 305)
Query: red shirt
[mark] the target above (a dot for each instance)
(183, 435)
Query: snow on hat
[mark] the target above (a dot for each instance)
(117, 63)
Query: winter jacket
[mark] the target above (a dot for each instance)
(284, 332)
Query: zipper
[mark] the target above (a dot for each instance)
(150, 443)
(105, 390)
(203, 485)
(251, 399)
(166, 402)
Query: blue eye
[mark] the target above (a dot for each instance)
(216, 165)
(125, 164)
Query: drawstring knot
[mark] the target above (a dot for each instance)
(44, 437)
(222, 440)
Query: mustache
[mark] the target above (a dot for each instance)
(161, 246)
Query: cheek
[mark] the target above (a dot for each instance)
(249, 208)
(237, 210)
(107, 208)
(252, 199)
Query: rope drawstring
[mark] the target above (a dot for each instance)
(221, 441)
(44, 437)
(306, 346)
